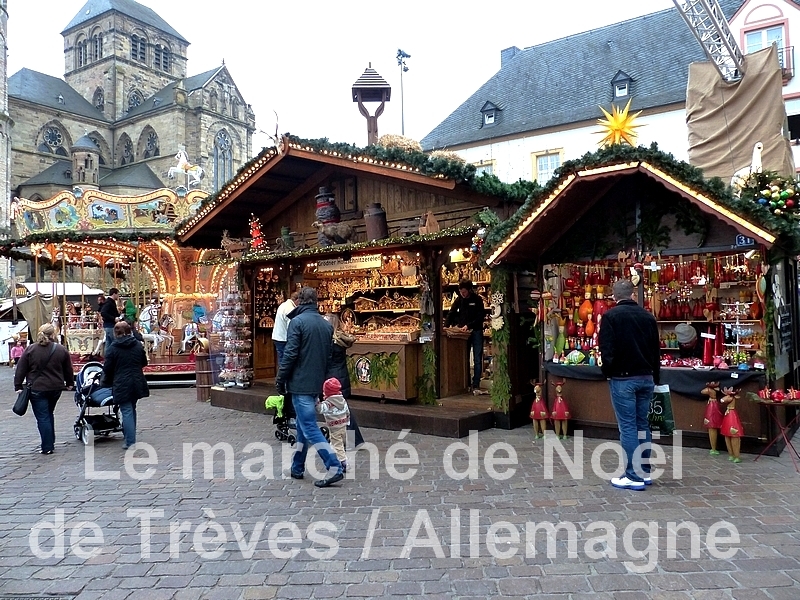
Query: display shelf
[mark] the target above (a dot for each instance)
(387, 310)
(235, 335)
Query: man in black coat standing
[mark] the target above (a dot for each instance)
(467, 312)
(302, 372)
(631, 360)
(110, 315)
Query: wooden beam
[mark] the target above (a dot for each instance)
(309, 184)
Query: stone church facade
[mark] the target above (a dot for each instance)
(126, 88)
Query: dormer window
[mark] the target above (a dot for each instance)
(490, 114)
(621, 85)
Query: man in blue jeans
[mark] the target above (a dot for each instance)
(631, 360)
(302, 372)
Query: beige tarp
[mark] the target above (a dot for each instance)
(726, 120)
(37, 311)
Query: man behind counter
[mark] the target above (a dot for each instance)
(467, 312)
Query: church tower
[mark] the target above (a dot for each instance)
(117, 53)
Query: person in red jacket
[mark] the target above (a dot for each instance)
(47, 366)
(631, 360)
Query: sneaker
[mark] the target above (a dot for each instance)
(320, 483)
(296, 475)
(647, 480)
(125, 446)
(344, 467)
(45, 451)
(627, 484)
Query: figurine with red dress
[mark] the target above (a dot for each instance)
(712, 420)
(539, 412)
(731, 425)
(560, 414)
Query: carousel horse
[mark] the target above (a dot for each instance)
(191, 333)
(165, 325)
(194, 173)
(149, 327)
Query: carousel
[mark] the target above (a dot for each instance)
(123, 242)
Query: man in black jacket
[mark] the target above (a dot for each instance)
(302, 372)
(467, 312)
(110, 315)
(631, 360)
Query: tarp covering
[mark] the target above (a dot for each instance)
(37, 311)
(726, 120)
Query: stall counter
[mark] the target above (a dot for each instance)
(386, 370)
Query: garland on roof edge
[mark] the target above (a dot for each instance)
(783, 224)
(9, 248)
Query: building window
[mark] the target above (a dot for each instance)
(223, 159)
(97, 47)
(621, 90)
(763, 38)
(138, 48)
(151, 146)
(127, 150)
(485, 166)
(99, 100)
(546, 163)
(488, 118)
(135, 99)
(161, 59)
(53, 138)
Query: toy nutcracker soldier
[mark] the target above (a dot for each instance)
(560, 414)
(731, 425)
(539, 413)
(712, 420)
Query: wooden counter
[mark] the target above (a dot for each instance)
(384, 369)
(453, 368)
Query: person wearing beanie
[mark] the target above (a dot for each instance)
(686, 335)
(337, 416)
(47, 367)
(631, 352)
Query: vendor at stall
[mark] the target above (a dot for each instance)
(686, 335)
(467, 313)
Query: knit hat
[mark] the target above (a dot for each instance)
(331, 387)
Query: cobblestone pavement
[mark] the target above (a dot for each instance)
(432, 535)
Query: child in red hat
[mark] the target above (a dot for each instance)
(337, 416)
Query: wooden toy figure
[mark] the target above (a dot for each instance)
(712, 420)
(731, 425)
(539, 412)
(560, 414)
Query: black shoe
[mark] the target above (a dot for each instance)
(45, 451)
(296, 475)
(330, 480)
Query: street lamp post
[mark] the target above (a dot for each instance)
(401, 62)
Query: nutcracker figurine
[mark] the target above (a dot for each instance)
(731, 425)
(712, 420)
(560, 414)
(539, 412)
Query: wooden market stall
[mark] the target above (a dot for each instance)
(381, 234)
(724, 266)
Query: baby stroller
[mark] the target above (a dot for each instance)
(285, 425)
(89, 394)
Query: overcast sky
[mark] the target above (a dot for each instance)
(300, 58)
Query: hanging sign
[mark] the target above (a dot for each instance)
(744, 241)
(368, 261)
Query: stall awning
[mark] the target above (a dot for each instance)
(578, 192)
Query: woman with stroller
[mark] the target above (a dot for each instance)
(338, 367)
(123, 372)
(47, 367)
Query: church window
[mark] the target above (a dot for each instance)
(223, 159)
(138, 48)
(97, 47)
(99, 100)
(235, 108)
(212, 101)
(81, 53)
(135, 98)
(127, 150)
(151, 146)
(53, 138)
(162, 58)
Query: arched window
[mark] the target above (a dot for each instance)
(99, 99)
(235, 108)
(223, 159)
(161, 58)
(151, 145)
(52, 141)
(135, 99)
(97, 47)
(125, 150)
(81, 58)
(138, 48)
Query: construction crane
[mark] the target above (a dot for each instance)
(708, 24)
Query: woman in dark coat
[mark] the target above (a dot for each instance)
(48, 366)
(123, 372)
(338, 367)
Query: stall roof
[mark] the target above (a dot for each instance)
(578, 191)
(278, 177)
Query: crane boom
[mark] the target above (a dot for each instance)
(709, 25)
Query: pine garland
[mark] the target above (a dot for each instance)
(501, 380)
(9, 247)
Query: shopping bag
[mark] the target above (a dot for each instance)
(660, 414)
(23, 399)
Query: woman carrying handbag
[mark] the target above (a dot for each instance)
(46, 367)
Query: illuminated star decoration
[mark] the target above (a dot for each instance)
(618, 126)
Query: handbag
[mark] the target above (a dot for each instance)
(24, 397)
